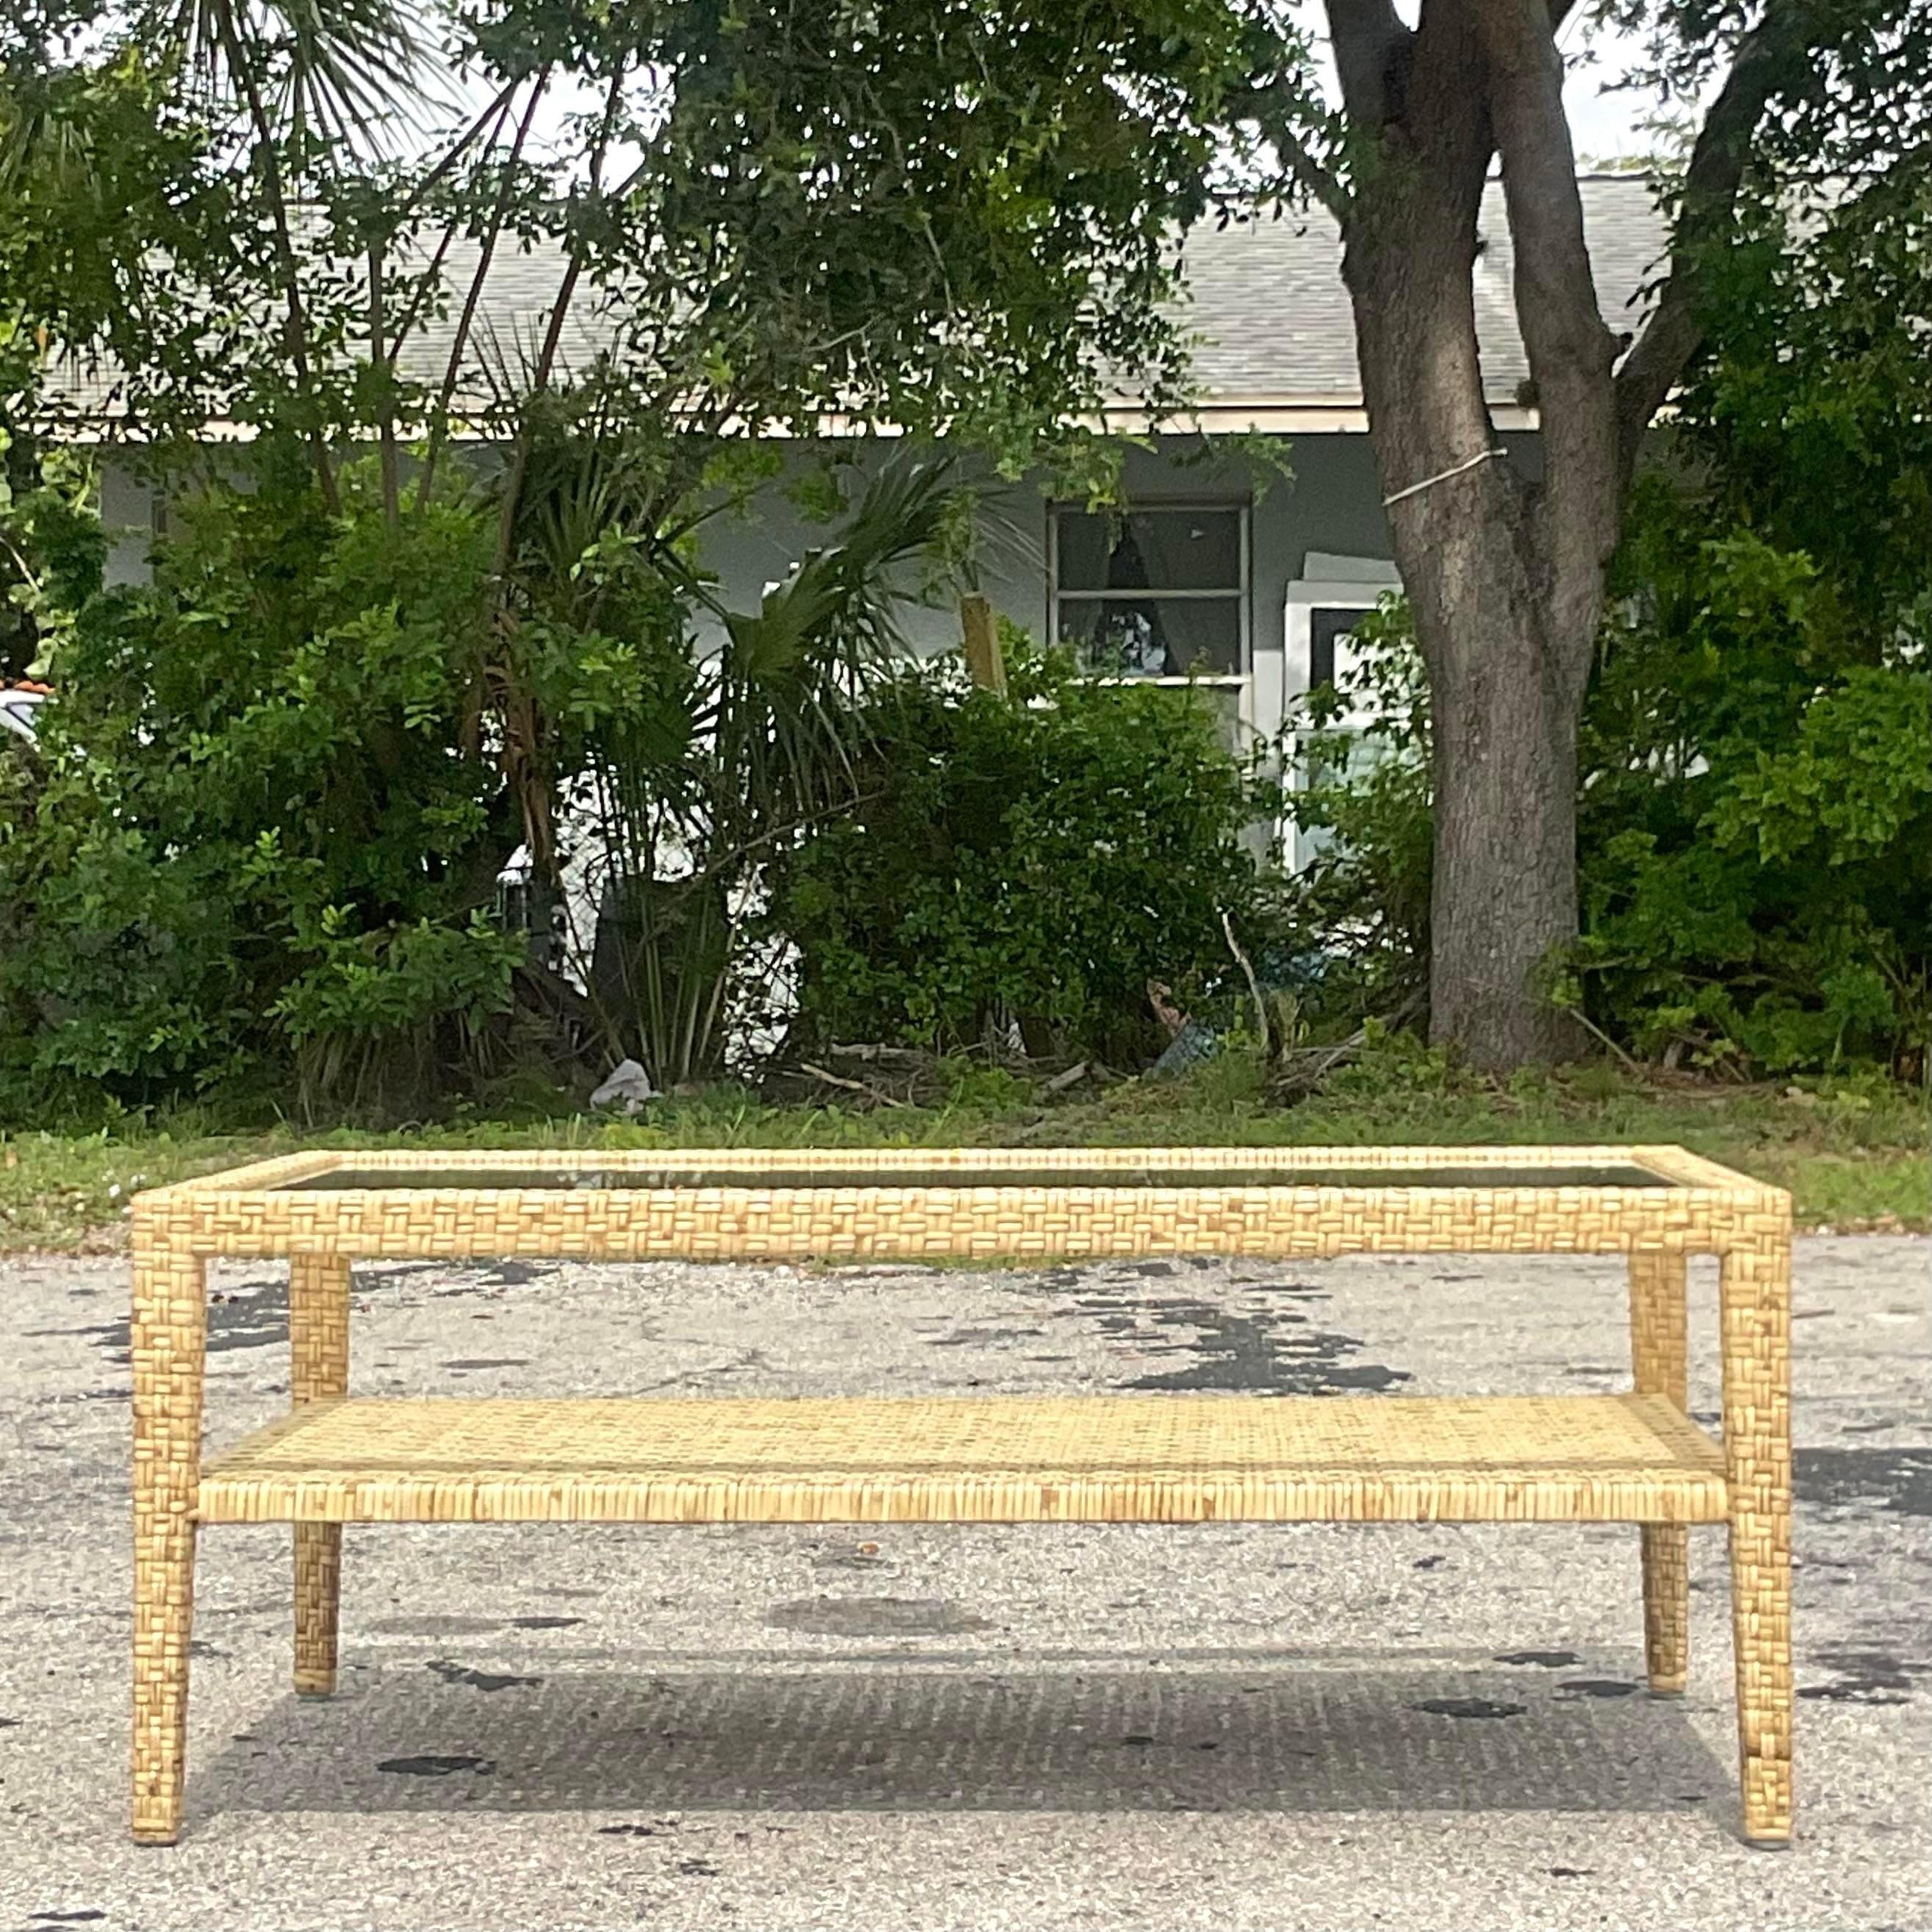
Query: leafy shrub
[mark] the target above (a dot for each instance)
(260, 830)
(1352, 926)
(1755, 820)
(264, 831)
(1755, 828)
(1036, 857)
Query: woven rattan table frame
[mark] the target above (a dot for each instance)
(1637, 1458)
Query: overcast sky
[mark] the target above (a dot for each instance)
(1605, 127)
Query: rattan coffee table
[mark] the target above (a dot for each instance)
(1634, 1458)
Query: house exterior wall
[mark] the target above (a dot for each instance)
(1329, 506)
(127, 515)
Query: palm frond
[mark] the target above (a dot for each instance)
(339, 69)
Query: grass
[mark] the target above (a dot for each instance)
(1853, 1153)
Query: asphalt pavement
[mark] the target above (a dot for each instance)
(963, 1729)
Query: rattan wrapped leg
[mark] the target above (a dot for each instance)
(319, 1369)
(1756, 1316)
(168, 1332)
(1658, 1355)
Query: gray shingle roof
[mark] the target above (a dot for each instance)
(1265, 302)
(1268, 301)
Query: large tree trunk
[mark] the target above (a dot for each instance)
(1503, 902)
(1505, 695)
(1503, 574)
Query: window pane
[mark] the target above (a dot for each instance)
(1122, 636)
(1081, 551)
(1151, 549)
(1324, 627)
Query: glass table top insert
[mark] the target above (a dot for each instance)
(628, 1180)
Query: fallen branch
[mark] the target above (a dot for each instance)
(1303, 1069)
(851, 1086)
(1060, 1082)
(916, 1056)
(1306, 1067)
(1246, 965)
(1591, 1027)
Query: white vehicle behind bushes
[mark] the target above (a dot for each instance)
(18, 704)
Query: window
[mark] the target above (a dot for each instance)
(1157, 593)
(1327, 626)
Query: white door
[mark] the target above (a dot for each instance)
(1320, 613)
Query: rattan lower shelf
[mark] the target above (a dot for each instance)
(1557, 1459)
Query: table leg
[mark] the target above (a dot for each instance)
(169, 1335)
(318, 1370)
(1659, 1352)
(1756, 1306)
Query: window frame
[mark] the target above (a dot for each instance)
(1305, 596)
(1241, 594)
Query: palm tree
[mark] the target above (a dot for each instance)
(775, 743)
(305, 74)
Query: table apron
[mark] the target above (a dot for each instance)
(572, 1229)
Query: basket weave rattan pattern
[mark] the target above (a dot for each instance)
(1632, 1459)
(1155, 1459)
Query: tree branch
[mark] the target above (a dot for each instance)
(546, 362)
(1367, 36)
(459, 347)
(427, 283)
(493, 114)
(1570, 351)
(1555, 291)
(1670, 338)
(382, 366)
(296, 328)
(1273, 109)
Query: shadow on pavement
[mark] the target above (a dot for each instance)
(444, 1737)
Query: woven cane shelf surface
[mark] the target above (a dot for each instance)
(1011, 1459)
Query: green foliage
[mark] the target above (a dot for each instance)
(1038, 857)
(1755, 819)
(1755, 853)
(1756, 880)
(958, 219)
(252, 837)
(52, 549)
(101, 187)
(1756, 823)
(264, 831)
(1351, 927)
(779, 727)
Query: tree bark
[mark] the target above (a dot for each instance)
(1505, 693)
(1472, 542)
(1504, 576)
(1503, 895)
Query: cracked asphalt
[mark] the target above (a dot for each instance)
(1227, 1726)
